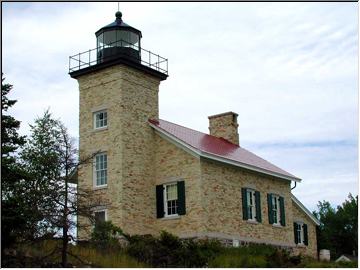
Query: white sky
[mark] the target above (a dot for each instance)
(290, 70)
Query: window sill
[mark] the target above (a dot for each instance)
(99, 129)
(252, 221)
(277, 226)
(170, 217)
(100, 187)
(301, 245)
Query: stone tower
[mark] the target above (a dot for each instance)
(118, 84)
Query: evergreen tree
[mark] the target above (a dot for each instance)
(338, 229)
(16, 214)
(51, 159)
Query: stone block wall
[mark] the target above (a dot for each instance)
(173, 164)
(130, 98)
(222, 204)
(311, 249)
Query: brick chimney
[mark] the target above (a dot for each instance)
(225, 126)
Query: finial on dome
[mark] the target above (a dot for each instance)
(118, 15)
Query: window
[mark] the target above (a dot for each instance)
(276, 209)
(250, 194)
(100, 119)
(100, 216)
(100, 170)
(251, 204)
(170, 199)
(300, 233)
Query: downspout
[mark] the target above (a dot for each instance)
(294, 186)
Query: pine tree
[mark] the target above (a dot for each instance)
(50, 157)
(15, 217)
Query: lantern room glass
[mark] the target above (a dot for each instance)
(118, 38)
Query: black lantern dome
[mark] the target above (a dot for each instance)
(118, 39)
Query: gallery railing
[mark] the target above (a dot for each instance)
(115, 50)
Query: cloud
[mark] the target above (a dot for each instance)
(288, 69)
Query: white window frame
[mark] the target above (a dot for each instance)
(276, 209)
(104, 119)
(300, 232)
(251, 204)
(102, 210)
(95, 183)
(166, 214)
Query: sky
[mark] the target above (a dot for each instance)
(290, 70)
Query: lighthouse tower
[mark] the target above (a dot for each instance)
(118, 85)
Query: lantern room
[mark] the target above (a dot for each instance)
(118, 39)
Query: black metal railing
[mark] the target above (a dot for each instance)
(120, 48)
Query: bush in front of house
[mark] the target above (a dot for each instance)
(199, 252)
(168, 250)
(105, 235)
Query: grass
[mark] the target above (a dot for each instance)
(89, 256)
(108, 259)
(311, 263)
(249, 256)
(252, 256)
(262, 256)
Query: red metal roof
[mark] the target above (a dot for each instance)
(219, 147)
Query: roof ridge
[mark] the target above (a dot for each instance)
(231, 143)
(251, 162)
(220, 138)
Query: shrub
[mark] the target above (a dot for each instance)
(198, 253)
(105, 235)
(141, 247)
(169, 251)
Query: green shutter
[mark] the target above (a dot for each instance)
(295, 233)
(258, 206)
(270, 212)
(181, 197)
(244, 203)
(306, 242)
(282, 211)
(159, 201)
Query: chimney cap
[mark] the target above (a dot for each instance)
(222, 114)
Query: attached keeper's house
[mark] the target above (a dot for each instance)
(158, 175)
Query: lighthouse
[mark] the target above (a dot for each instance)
(118, 88)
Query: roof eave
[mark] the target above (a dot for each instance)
(306, 211)
(222, 159)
